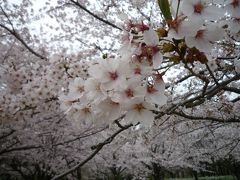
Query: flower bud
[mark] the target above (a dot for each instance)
(161, 32)
(168, 47)
(175, 59)
(104, 56)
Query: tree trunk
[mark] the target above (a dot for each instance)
(195, 175)
(79, 174)
(236, 170)
(158, 172)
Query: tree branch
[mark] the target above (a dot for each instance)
(232, 89)
(199, 99)
(236, 99)
(23, 148)
(94, 15)
(97, 148)
(4, 135)
(17, 36)
(211, 73)
(231, 120)
(80, 137)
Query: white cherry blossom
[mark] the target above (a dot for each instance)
(67, 101)
(133, 89)
(82, 114)
(180, 28)
(151, 38)
(233, 8)
(109, 111)
(203, 39)
(200, 9)
(77, 87)
(140, 111)
(212, 64)
(155, 92)
(237, 65)
(138, 69)
(112, 73)
(234, 25)
(93, 91)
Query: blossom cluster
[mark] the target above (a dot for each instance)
(131, 84)
(200, 24)
(130, 87)
(32, 88)
(126, 85)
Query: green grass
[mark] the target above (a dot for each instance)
(218, 178)
(207, 178)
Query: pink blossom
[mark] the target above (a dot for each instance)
(140, 111)
(151, 39)
(233, 8)
(203, 39)
(93, 91)
(133, 89)
(200, 9)
(155, 92)
(111, 73)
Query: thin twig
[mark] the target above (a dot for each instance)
(230, 120)
(94, 15)
(97, 148)
(177, 9)
(211, 73)
(18, 37)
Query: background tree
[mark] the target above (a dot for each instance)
(48, 67)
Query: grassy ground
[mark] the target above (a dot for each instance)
(207, 178)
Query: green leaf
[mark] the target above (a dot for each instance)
(105, 56)
(165, 9)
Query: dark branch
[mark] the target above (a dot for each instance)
(80, 137)
(183, 79)
(23, 148)
(7, 134)
(97, 149)
(94, 15)
(232, 89)
(118, 123)
(199, 99)
(227, 57)
(211, 73)
(231, 120)
(17, 36)
(236, 99)
(110, 139)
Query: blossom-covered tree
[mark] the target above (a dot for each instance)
(157, 80)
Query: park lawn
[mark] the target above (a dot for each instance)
(207, 178)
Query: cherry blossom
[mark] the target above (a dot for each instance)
(140, 111)
(93, 91)
(234, 26)
(110, 72)
(155, 92)
(237, 65)
(108, 111)
(134, 89)
(203, 39)
(180, 28)
(151, 39)
(200, 9)
(233, 7)
(77, 87)
(162, 91)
